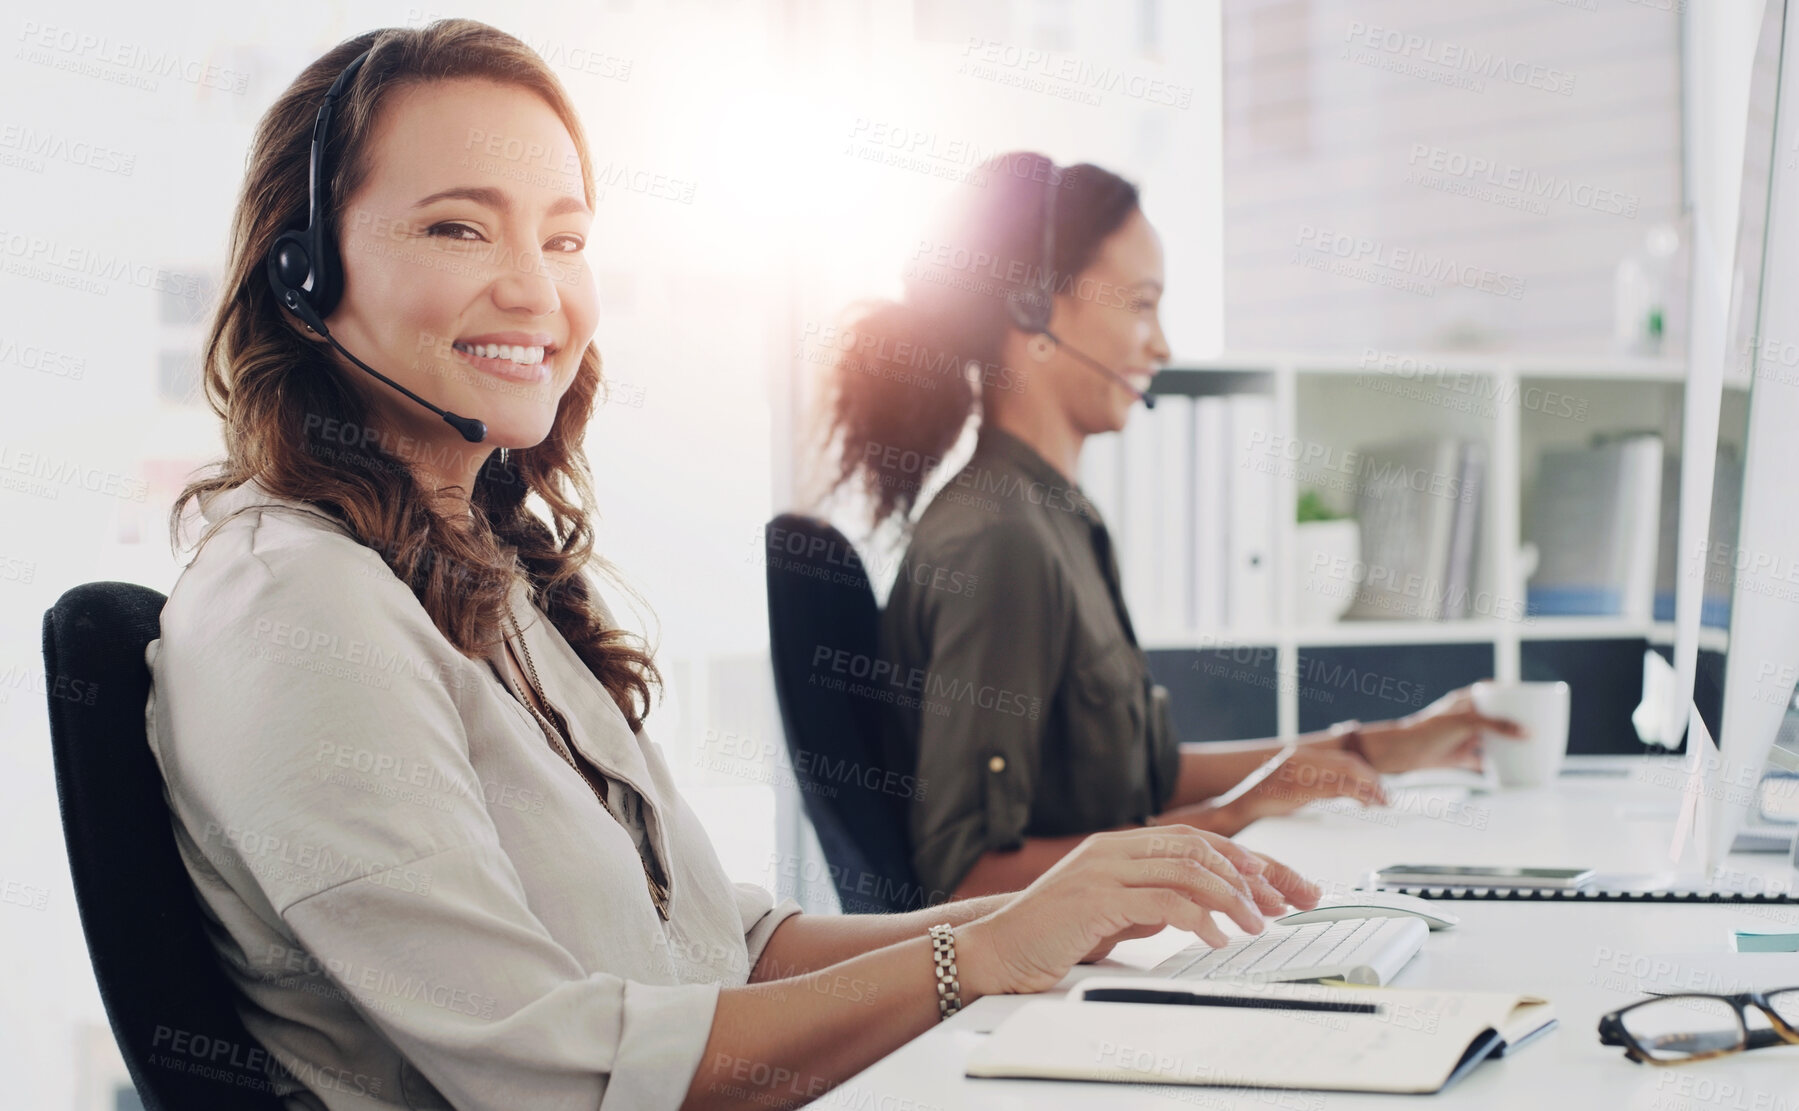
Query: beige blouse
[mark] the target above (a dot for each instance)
(422, 903)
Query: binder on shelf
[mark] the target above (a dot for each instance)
(1727, 501)
(1173, 417)
(1212, 470)
(1407, 504)
(1143, 502)
(1250, 575)
(1595, 519)
(1667, 565)
(1464, 535)
(1643, 464)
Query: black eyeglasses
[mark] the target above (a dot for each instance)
(1675, 1029)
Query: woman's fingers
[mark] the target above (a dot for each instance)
(1130, 934)
(1216, 852)
(1459, 705)
(1196, 883)
(1268, 899)
(1133, 933)
(1207, 930)
(1503, 726)
(1295, 888)
(1241, 858)
(1165, 906)
(1468, 753)
(1252, 882)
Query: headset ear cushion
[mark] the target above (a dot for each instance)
(327, 275)
(1030, 310)
(289, 264)
(288, 268)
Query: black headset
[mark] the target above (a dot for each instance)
(1032, 305)
(305, 270)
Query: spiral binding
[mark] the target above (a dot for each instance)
(1578, 895)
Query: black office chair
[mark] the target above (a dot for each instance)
(165, 994)
(819, 600)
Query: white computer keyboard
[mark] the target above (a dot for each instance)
(1359, 950)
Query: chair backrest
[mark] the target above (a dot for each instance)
(166, 996)
(824, 640)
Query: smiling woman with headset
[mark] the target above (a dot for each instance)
(1034, 307)
(402, 737)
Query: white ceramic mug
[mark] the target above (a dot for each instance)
(1542, 709)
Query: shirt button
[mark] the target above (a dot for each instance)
(996, 764)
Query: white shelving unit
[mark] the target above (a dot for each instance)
(1517, 404)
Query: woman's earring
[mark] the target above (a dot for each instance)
(502, 457)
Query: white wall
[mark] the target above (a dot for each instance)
(1529, 144)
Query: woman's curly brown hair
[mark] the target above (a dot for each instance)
(274, 389)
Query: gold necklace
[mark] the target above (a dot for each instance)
(557, 732)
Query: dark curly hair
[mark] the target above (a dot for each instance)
(902, 385)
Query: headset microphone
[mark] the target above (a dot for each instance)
(472, 430)
(305, 271)
(1149, 400)
(1031, 307)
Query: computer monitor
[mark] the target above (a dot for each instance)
(1743, 390)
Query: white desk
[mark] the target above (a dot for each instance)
(1587, 959)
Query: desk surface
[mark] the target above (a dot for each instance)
(1586, 958)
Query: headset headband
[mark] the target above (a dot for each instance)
(318, 183)
(1047, 261)
(1032, 306)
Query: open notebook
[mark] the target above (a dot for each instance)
(1315, 1036)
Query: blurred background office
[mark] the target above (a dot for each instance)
(1399, 234)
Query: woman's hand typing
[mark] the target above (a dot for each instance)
(1120, 885)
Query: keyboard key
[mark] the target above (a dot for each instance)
(1353, 940)
(1314, 954)
(1209, 958)
(1281, 955)
(1326, 946)
(1250, 954)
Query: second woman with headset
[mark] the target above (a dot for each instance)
(1042, 285)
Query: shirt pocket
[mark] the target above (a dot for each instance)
(1106, 715)
(1107, 682)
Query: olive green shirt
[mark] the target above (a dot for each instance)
(1035, 714)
